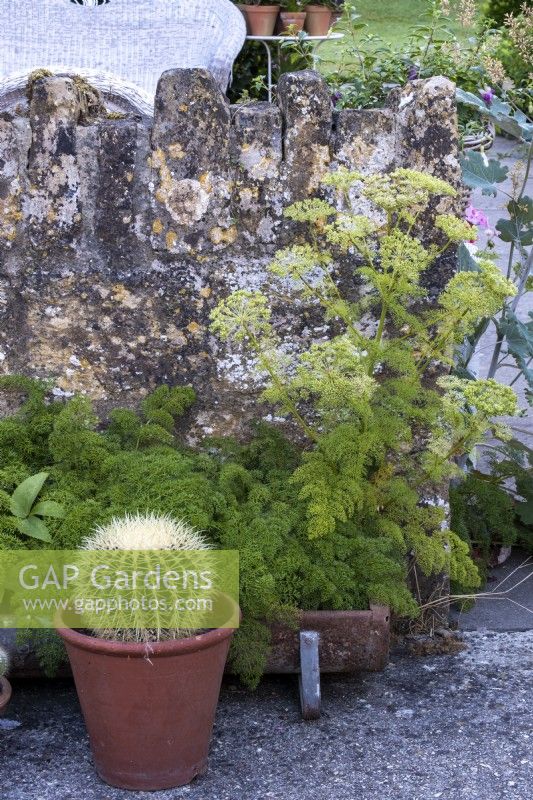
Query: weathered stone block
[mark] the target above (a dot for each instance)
(256, 149)
(427, 140)
(115, 199)
(305, 103)
(11, 184)
(116, 263)
(364, 140)
(426, 119)
(52, 206)
(190, 162)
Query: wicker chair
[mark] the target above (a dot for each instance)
(120, 46)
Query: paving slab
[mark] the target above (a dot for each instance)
(506, 603)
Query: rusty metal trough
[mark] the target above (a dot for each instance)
(325, 641)
(330, 641)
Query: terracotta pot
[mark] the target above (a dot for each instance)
(149, 714)
(260, 20)
(317, 20)
(294, 18)
(5, 694)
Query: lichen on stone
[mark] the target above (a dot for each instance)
(118, 237)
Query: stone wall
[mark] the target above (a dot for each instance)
(118, 236)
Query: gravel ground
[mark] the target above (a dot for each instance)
(446, 726)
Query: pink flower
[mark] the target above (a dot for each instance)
(476, 217)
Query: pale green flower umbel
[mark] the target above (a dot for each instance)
(491, 398)
(421, 180)
(240, 315)
(294, 262)
(349, 230)
(456, 229)
(342, 179)
(404, 257)
(314, 210)
(404, 188)
(487, 397)
(469, 296)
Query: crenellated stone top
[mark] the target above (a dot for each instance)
(118, 235)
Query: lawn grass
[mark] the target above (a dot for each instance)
(392, 20)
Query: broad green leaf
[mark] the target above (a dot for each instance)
(465, 351)
(519, 340)
(522, 210)
(510, 232)
(26, 493)
(519, 226)
(465, 260)
(480, 172)
(48, 508)
(512, 121)
(34, 527)
(519, 335)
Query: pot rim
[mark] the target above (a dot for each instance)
(5, 694)
(169, 647)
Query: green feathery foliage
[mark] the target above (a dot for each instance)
(48, 647)
(241, 496)
(495, 508)
(382, 436)
(482, 514)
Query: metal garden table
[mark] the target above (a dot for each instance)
(274, 41)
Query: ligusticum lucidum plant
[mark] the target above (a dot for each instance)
(382, 429)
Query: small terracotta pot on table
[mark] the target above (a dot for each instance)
(294, 19)
(317, 20)
(260, 20)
